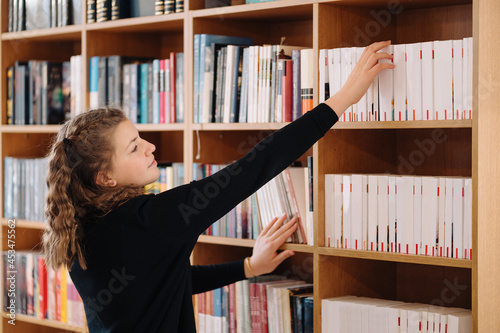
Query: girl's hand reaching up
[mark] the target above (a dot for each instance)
(265, 257)
(361, 77)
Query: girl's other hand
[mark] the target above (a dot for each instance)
(265, 257)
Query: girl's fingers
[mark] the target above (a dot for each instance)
(276, 224)
(371, 49)
(286, 229)
(286, 234)
(267, 227)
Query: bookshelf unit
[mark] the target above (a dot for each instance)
(372, 147)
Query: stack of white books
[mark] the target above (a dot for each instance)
(401, 214)
(362, 314)
(431, 81)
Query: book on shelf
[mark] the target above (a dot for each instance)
(431, 81)
(41, 292)
(260, 304)
(24, 188)
(145, 88)
(419, 215)
(39, 92)
(206, 47)
(362, 314)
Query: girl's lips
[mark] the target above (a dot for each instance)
(153, 163)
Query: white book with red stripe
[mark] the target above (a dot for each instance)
(427, 81)
(372, 218)
(329, 210)
(392, 214)
(429, 215)
(399, 82)
(468, 218)
(346, 212)
(441, 216)
(448, 218)
(458, 218)
(404, 214)
(383, 212)
(417, 215)
(338, 201)
(357, 212)
(414, 80)
(386, 89)
(458, 99)
(443, 80)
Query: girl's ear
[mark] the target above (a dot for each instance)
(103, 179)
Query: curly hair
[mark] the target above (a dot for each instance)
(82, 148)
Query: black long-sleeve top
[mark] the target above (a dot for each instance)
(139, 278)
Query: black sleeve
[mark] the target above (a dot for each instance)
(190, 209)
(211, 277)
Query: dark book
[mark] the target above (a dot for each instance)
(179, 6)
(159, 7)
(103, 10)
(66, 89)
(217, 3)
(308, 314)
(139, 8)
(91, 11)
(21, 15)
(21, 83)
(120, 9)
(10, 96)
(169, 7)
(37, 14)
(55, 113)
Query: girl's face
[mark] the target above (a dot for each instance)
(133, 162)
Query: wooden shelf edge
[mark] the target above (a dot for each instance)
(45, 322)
(71, 32)
(142, 21)
(302, 248)
(24, 129)
(396, 257)
(24, 224)
(243, 8)
(160, 127)
(414, 124)
(238, 126)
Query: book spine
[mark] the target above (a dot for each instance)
(91, 11)
(179, 6)
(296, 90)
(159, 7)
(169, 7)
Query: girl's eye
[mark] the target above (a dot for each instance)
(135, 149)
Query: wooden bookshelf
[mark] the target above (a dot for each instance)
(370, 147)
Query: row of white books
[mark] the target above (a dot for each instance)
(371, 315)
(431, 81)
(402, 214)
(25, 188)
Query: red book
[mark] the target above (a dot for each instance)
(287, 90)
(172, 87)
(162, 91)
(42, 285)
(232, 308)
(254, 308)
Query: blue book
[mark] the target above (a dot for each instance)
(94, 70)
(156, 91)
(206, 40)
(8, 186)
(217, 293)
(144, 94)
(236, 85)
(308, 315)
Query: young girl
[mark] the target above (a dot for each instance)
(128, 253)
